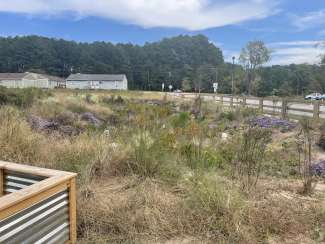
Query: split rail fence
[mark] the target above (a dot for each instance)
(36, 205)
(285, 108)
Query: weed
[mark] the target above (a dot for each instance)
(251, 154)
(304, 148)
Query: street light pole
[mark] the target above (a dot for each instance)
(148, 80)
(232, 75)
(216, 74)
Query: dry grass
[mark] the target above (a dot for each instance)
(135, 184)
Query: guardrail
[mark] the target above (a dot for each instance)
(36, 205)
(274, 106)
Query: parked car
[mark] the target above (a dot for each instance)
(178, 91)
(314, 96)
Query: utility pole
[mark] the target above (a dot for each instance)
(232, 75)
(216, 74)
(148, 80)
(170, 77)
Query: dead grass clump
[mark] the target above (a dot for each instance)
(152, 155)
(89, 155)
(49, 108)
(217, 208)
(135, 211)
(284, 218)
(18, 143)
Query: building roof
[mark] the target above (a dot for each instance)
(12, 76)
(28, 76)
(55, 78)
(96, 77)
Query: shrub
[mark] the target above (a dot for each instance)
(152, 156)
(197, 157)
(304, 148)
(218, 207)
(180, 120)
(89, 98)
(88, 155)
(76, 107)
(21, 97)
(228, 115)
(248, 112)
(321, 139)
(251, 155)
(112, 100)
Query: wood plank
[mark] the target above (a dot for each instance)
(15, 208)
(2, 181)
(33, 170)
(73, 210)
(31, 191)
(271, 106)
(301, 110)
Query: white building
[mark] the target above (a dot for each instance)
(24, 80)
(97, 81)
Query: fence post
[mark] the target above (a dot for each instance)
(231, 101)
(316, 110)
(261, 104)
(72, 211)
(244, 101)
(284, 109)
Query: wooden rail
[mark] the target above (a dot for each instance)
(275, 106)
(30, 198)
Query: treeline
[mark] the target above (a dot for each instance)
(279, 80)
(187, 62)
(146, 67)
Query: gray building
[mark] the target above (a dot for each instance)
(24, 80)
(97, 81)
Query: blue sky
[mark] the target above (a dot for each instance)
(293, 29)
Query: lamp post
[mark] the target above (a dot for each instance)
(232, 75)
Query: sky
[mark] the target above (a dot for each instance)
(292, 29)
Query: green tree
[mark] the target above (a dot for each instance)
(146, 66)
(187, 85)
(253, 56)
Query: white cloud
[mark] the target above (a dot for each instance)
(186, 14)
(296, 52)
(309, 20)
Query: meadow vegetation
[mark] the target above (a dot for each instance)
(152, 169)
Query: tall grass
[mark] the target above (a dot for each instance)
(155, 176)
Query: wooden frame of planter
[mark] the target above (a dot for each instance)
(38, 199)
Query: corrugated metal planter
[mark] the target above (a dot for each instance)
(36, 205)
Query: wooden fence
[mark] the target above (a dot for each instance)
(284, 107)
(36, 205)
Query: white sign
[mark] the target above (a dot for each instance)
(215, 85)
(170, 87)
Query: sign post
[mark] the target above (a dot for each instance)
(215, 88)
